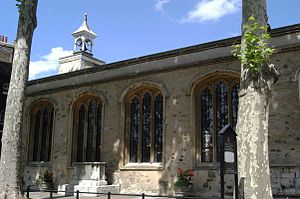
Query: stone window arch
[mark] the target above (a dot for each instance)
(87, 129)
(297, 79)
(144, 118)
(41, 131)
(216, 104)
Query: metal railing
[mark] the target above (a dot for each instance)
(108, 194)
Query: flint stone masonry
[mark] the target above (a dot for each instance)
(175, 73)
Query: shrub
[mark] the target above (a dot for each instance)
(45, 177)
(184, 179)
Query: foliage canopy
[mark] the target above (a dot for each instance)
(255, 51)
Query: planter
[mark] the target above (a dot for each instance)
(181, 192)
(45, 186)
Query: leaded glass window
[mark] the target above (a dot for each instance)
(41, 130)
(134, 129)
(87, 127)
(158, 147)
(206, 126)
(146, 132)
(216, 105)
(144, 124)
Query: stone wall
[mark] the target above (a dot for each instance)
(284, 127)
(285, 180)
(178, 133)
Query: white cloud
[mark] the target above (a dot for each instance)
(159, 6)
(47, 62)
(211, 10)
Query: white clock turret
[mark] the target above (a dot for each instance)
(82, 58)
(83, 38)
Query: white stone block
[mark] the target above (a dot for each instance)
(66, 189)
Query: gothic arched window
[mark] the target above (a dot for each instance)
(42, 114)
(216, 101)
(144, 126)
(87, 129)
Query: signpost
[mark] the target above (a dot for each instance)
(228, 157)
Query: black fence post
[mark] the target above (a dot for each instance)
(51, 193)
(77, 194)
(108, 195)
(27, 192)
(143, 196)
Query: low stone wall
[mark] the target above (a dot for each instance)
(285, 180)
(31, 173)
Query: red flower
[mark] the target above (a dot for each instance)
(180, 171)
(184, 178)
(190, 172)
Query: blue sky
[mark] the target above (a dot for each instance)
(133, 28)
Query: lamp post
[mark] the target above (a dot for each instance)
(228, 157)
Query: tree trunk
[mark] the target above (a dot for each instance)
(11, 157)
(252, 125)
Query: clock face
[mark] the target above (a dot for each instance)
(79, 42)
(84, 45)
(88, 45)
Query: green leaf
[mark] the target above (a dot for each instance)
(256, 50)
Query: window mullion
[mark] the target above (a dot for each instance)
(48, 134)
(85, 132)
(198, 140)
(140, 133)
(229, 104)
(98, 132)
(40, 134)
(31, 138)
(214, 110)
(95, 132)
(153, 129)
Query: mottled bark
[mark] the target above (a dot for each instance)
(11, 156)
(252, 125)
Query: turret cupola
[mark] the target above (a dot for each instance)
(83, 37)
(82, 57)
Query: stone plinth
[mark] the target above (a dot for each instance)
(90, 177)
(66, 190)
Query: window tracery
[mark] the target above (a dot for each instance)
(87, 129)
(216, 101)
(42, 115)
(144, 126)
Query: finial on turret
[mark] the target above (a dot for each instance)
(85, 17)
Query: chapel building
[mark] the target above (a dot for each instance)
(128, 126)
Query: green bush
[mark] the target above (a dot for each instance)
(184, 179)
(45, 177)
